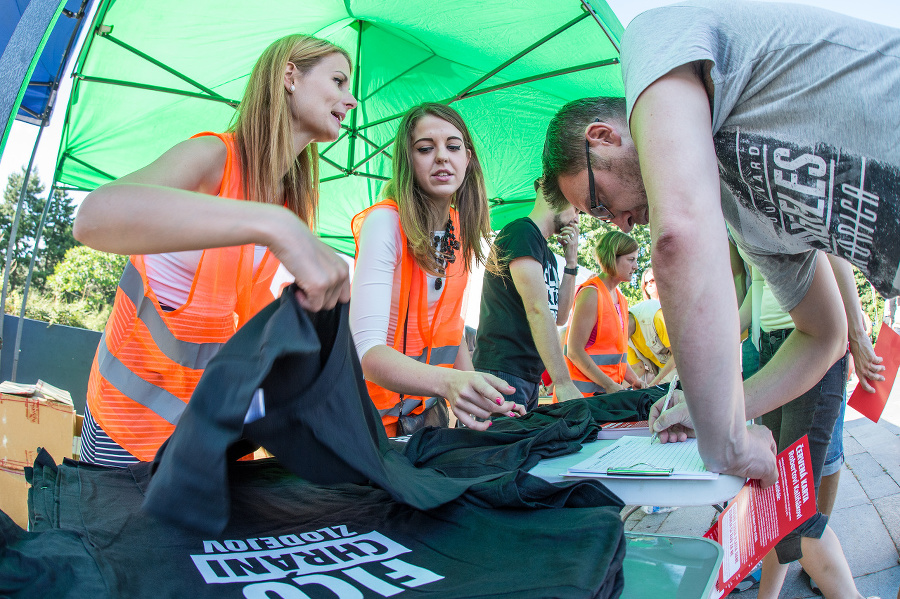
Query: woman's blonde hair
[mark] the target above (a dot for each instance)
(262, 129)
(644, 276)
(610, 246)
(418, 218)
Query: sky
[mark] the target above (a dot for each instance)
(22, 135)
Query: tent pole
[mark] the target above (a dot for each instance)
(106, 33)
(15, 227)
(519, 55)
(351, 147)
(575, 69)
(156, 88)
(34, 252)
(587, 6)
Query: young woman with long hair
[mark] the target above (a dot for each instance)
(414, 253)
(598, 333)
(202, 262)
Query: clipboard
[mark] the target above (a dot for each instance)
(639, 457)
(639, 470)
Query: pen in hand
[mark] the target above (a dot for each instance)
(665, 405)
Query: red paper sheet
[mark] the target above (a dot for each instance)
(756, 519)
(871, 405)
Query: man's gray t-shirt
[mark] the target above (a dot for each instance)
(806, 126)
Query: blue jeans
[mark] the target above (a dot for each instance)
(526, 391)
(812, 414)
(834, 457)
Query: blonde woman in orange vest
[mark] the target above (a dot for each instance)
(413, 255)
(202, 262)
(597, 342)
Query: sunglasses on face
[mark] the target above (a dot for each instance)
(595, 208)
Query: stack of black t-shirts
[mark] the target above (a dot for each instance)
(456, 506)
(289, 538)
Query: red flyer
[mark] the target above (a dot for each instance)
(756, 519)
(871, 405)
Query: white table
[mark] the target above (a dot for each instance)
(646, 491)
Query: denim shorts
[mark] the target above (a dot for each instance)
(526, 391)
(834, 457)
(812, 414)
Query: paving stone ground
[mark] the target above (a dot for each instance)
(866, 516)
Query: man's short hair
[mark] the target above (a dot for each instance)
(564, 144)
(557, 202)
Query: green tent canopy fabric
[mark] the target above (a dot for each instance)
(155, 73)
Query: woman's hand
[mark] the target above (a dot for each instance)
(478, 394)
(322, 276)
(673, 425)
(613, 387)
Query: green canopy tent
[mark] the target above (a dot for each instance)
(155, 73)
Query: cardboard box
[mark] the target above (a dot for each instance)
(14, 496)
(28, 422)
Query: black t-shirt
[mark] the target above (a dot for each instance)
(504, 339)
(288, 537)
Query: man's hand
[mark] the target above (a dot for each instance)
(568, 239)
(675, 424)
(567, 391)
(867, 365)
(757, 460)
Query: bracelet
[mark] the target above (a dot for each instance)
(570, 271)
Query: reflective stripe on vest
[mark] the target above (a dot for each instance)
(164, 404)
(408, 406)
(607, 359)
(588, 387)
(184, 353)
(440, 355)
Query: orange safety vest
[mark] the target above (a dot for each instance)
(610, 346)
(149, 360)
(436, 342)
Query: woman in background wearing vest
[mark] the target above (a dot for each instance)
(179, 300)
(598, 333)
(414, 251)
(649, 350)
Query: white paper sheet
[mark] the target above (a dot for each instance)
(643, 457)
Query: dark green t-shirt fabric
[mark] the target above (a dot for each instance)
(291, 538)
(321, 424)
(504, 340)
(491, 529)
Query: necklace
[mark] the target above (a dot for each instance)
(445, 247)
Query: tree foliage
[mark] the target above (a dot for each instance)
(591, 230)
(87, 274)
(56, 237)
(872, 302)
(49, 309)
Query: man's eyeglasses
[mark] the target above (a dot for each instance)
(595, 209)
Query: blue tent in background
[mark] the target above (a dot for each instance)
(37, 103)
(37, 37)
